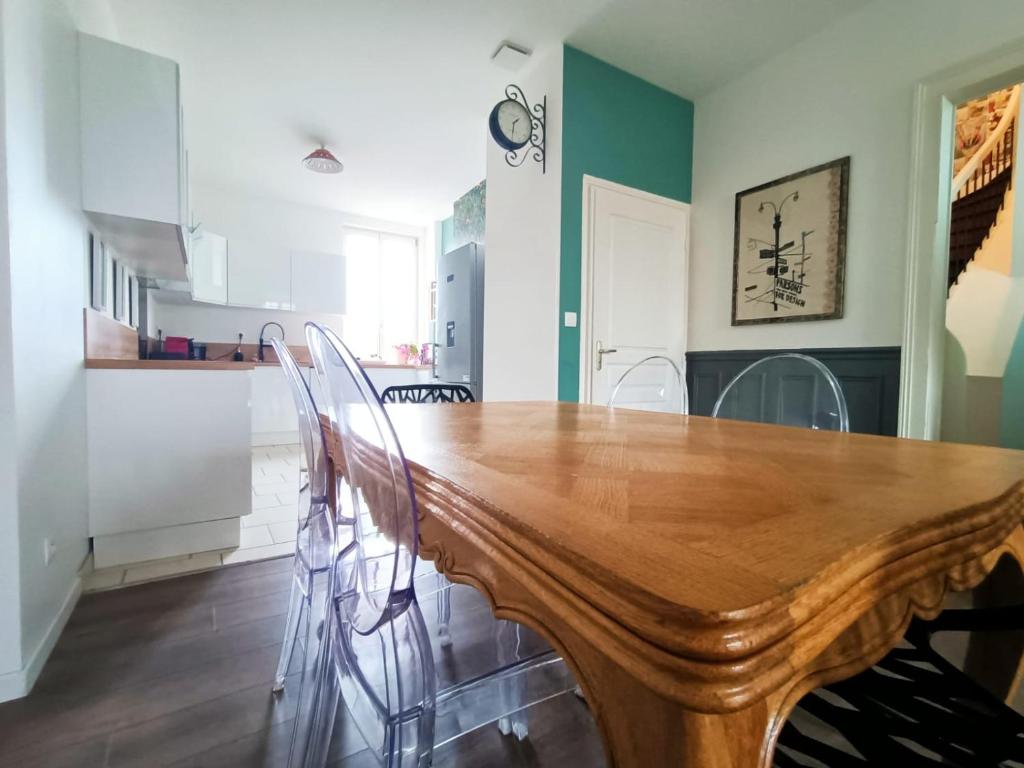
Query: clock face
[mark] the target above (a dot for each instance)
(511, 124)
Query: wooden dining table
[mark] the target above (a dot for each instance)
(698, 575)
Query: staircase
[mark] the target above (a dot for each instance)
(971, 221)
(979, 189)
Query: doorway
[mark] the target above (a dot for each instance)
(634, 278)
(928, 246)
(985, 304)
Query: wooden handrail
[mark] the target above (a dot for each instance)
(981, 157)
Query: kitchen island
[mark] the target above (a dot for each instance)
(170, 441)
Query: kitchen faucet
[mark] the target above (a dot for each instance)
(259, 351)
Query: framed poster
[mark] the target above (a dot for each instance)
(789, 255)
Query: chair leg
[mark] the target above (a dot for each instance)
(318, 699)
(296, 608)
(512, 693)
(444, 611)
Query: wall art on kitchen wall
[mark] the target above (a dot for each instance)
(789, 257)
(470, 217)
(97, 274)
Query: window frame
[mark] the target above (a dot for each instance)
(381, 234)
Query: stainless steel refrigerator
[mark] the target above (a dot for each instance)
(459, 332)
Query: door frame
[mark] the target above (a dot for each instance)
(591, 185)
(928, 216)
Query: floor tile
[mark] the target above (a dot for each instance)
(265, 501)
(282, 532)
(269, 478)
(274, 488)
(259, 553)
(172, 567)
(256, 536)
(276, 514)
(288, 499)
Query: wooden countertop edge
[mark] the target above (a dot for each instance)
(169, 365)
(212, 365)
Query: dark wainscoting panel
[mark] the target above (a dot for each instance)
(870, 378)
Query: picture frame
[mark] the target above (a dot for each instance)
(119, 275)
(97, 274)
(789, 249)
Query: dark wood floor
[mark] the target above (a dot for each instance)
(178, 673)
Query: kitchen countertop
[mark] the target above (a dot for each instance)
(216, 365)
(172, 365)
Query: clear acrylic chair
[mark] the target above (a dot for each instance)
(431, 394)
(403, 695)
(652, 384)
(314, 540)
(789, 389)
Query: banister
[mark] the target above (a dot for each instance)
(972, 165)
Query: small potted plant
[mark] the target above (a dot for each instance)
(408, 354)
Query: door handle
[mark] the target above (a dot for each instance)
(601, 352)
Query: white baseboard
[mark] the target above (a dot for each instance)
(157, 543)
(16, 684)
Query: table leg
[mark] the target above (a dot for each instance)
(645, 730)
(996, 659)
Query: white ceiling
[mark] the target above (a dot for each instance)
(400, 89)
(690, 47)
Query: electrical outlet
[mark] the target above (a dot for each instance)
(49, 551)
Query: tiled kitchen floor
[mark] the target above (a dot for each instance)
(268, 532)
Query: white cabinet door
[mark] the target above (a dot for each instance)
(210, 268)
(132, 148)
(318, 282)
(259, 275)
(274, 420)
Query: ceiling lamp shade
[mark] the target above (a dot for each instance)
(322, 161)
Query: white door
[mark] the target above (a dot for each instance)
(635, 256)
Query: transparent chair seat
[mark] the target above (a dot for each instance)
(652, 384)
(472, 691)
(381, 661)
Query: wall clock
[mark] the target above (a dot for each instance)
(518, 128)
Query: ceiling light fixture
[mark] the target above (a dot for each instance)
(322, 161)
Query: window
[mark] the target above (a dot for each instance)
(381, 292)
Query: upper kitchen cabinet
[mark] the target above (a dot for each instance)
(134, 164)
(208, 261)
(259, 275)
(318, 282)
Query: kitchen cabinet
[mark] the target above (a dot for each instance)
(274, 421)
(209, 268)
(134, 163)
(318, 282)
(170, 462)
(259, 275)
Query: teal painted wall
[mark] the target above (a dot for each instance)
(1012, 422)
(617, 127)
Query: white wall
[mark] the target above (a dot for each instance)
(523, 240)
(47, 241)
(208, 322)
(289, 225)
(846, 91)
(95, 17)
(10, 597)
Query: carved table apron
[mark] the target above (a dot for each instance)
(699, 575)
